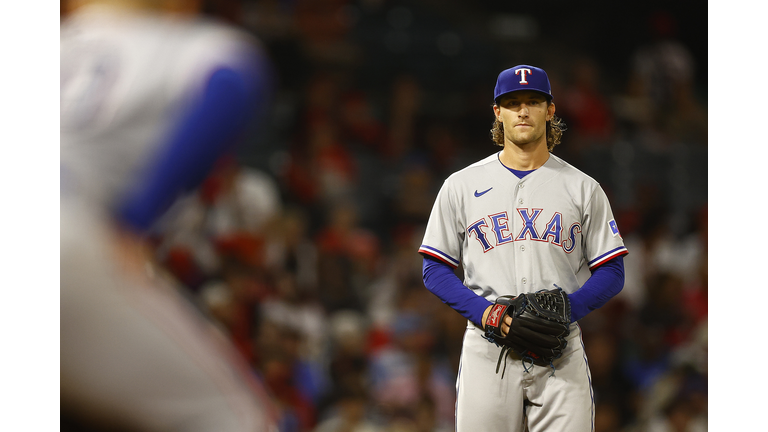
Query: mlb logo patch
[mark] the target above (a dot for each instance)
(614, 227)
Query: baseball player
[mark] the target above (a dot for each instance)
(149, 100)
(521, 221)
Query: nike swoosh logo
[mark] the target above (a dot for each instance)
(478, 194)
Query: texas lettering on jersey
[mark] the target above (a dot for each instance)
(494, 230)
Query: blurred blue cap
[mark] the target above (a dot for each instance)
(522, 77)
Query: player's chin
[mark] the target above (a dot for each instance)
(521, 139)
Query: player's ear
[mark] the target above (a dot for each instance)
(496, 111)
(550, 111)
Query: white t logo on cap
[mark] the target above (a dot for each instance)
(522, 72)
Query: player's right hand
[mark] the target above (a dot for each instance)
(505, 325)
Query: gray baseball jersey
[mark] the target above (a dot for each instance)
(516, 235)
(513, 236)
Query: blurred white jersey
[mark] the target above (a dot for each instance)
(134, 353)
(126, 78)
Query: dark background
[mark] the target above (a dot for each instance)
(375, 103)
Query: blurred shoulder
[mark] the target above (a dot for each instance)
(100, 21)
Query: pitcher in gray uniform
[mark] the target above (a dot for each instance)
(522, 220)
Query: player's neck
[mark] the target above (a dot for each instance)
(524, 158)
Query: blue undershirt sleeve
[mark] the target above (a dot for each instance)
(605, 282)
(207, 132)
(440, 279)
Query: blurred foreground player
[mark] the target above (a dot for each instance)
(151, 97)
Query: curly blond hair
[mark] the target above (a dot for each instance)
(555, 129)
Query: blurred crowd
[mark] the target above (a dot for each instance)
(302, 247)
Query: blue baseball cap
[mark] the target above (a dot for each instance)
(522, 77)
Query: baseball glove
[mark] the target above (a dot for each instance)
(540, 323)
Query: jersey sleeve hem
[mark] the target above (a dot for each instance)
(437, 254)
(604, 258)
